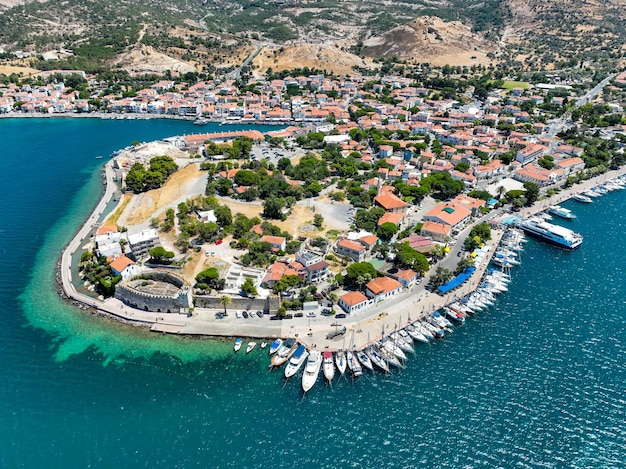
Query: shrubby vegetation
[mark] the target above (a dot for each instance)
(139, 179)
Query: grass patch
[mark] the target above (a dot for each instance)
(509, 85)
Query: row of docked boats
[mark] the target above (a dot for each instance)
(251, 345)
(616, 184)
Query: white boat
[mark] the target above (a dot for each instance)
(592, 194)
(365, 360)
(554, 234)
(328, 366)
(250, 347)
(340, 361)
(377, 359)
(263, 345)
(389, 357)
(237, 346)
(391, 347)
(401, 342)
(285, 351)
(353, 364)
(296, 361)
(561, 212)
(419, 327)
(275, 346)
(582, 198)
(416, 335)
(311, 370)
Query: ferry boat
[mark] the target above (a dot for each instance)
(582, 198)
(296, 361)
(328, 366)
(553, 234)
(312, 370)
(561, 212)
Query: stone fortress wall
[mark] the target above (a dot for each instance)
(177, 302)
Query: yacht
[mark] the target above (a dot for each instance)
(311, 370)
(237, 346)
(353, 364)
(553, 234)
(284, 352)
(296, 361)
(389, 357)
(377, 359)
(421, 329)
(582, 198)
(561, 212)
(416, 335)
(365, 360)
(592, 194)
(401, 342)
(391, 347)
(340, 361)
(328, 366)
(250, 347)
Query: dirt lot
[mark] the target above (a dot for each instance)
(185, 183)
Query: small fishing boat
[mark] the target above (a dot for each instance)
(237, 346)
(296, 361)
(328, 366)
(250, 347)
(340, 361)
(275, 346)
(263, 345)
(312, 370)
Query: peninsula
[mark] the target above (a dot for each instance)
(346, 225)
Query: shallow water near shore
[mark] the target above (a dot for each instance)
(537, 381)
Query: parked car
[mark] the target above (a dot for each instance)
(310, 314)
(245, 314)
(259, 314)
(340, 315)
(238, 315)
(298, 315)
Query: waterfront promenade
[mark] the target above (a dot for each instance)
(362, 328)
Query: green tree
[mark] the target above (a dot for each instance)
(407, 257)
(249, 289)
(532, 193)
(318, 220)
(159, 255)
(225, 301)
(273, 208)
(386, 231)
(360, 269)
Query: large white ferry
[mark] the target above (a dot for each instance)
(554, 234)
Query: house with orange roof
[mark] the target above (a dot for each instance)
(279, 243)
(540, 176)
(395, 218)
(354, 301)
(123, 266)
(381, 288)
(406, 277)
(276, 272)
(468, 202)
(257, 229)
(368, 241)
(571, 165)
(437, 231)
(352, 249)
(530, 153)
(391, 203)
(447, 213)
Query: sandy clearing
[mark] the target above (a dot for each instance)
(19, 70)
(143, 206)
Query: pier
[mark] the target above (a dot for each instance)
(315, 333)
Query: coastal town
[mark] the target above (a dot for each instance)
(374, 206)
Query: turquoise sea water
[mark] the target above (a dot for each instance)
(538, 381)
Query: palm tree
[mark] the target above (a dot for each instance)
(501, 190)
(225, 301)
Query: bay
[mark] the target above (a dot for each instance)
(537, 381)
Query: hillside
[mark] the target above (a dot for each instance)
(209, 36)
